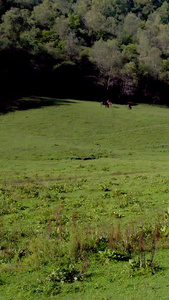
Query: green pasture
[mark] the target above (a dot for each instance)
(84, 196)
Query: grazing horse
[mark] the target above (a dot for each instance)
(106, 103)
(109, 103)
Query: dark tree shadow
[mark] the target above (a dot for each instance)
(38, 102)
(31, 102)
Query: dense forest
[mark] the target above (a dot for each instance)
(91, 49)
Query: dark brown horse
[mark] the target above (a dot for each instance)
(129, 105)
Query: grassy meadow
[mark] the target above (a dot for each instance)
(84, 202)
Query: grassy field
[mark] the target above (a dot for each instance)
(84, 202)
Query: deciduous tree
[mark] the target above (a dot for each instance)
(107, 57)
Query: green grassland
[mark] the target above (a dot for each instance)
(84, 202)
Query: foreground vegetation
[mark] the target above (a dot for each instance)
(84, 206)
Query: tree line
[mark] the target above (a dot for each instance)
(86, 48)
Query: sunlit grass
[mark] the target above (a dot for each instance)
(69, 174)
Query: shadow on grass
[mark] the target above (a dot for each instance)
(32, 102)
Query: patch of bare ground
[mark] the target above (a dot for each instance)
(40, 180)
(128, 173)
(73, 178)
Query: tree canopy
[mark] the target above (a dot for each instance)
(115, 48)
